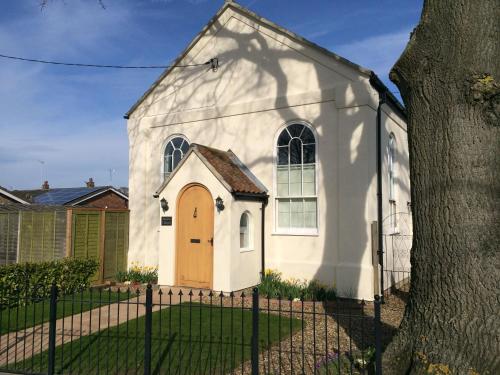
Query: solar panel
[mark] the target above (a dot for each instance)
(63, 195)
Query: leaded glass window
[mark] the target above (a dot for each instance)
(174, 152)
(296, 202)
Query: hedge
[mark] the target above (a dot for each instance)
(20, 283)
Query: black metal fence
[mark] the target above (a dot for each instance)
(153, 331)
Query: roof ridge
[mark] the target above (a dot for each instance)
(238, 7)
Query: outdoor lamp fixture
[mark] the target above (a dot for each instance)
(219, 203)
(164, 204)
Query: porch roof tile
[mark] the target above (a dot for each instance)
(232, 170)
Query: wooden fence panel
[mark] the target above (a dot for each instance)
(9, 230)
(115, 244)
(42, 236)
(85, 236)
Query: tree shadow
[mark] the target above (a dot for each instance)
(262, 81)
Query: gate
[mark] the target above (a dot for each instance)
(102, 235)
(397, 247)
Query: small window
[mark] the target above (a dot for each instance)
(245, 231)
(174, 152)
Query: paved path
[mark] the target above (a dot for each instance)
(23, 344)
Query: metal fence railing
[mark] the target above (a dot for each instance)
(174, 331)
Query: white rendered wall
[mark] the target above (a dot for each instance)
(264, 81)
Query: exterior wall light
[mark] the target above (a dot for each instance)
(219, 203)
(164, 204)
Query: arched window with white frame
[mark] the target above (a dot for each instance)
(246, 231)
(391, 170)
(175, 150)
(296, 196)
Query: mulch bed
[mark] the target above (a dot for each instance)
(329, 328)
(342, 326)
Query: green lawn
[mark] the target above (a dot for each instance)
(187, 339)
(17, 318)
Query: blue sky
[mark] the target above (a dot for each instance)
(71, 119)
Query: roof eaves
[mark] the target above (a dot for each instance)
(247, 172)
(94, 194)
(177, 60)
(261, 19)
(391, 100)
(12, 196)
(299, 38)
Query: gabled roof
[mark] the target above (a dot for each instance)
(227, 168)
(9, 195)
(65, 196)
(374, 80)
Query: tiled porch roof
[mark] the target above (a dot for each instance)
(226, 166)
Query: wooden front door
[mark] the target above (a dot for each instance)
(195, 233)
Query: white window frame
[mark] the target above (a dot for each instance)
(164, 148)
(295, 231)
(391, 186)
(250, 246)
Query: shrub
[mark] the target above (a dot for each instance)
(273, 286)
(138, 274)
(32, 281)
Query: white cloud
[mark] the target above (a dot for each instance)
(378, 53)
(49, 113)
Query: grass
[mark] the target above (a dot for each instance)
(187, 339)
(20, 317)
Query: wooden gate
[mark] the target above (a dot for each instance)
(102, 235)
(115, 244)
(86, 236)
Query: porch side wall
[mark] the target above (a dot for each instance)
(194, 171)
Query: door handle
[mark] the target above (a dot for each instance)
(211, 241)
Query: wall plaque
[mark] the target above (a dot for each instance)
(166, 220)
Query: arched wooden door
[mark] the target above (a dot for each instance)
(195, 233)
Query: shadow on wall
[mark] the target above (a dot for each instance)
(252, 52)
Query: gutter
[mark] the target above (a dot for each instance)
(389, 97)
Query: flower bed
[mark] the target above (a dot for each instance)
(273, 286)
(138, 274)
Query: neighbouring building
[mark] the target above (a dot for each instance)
(90, 196)
(264, 157)
(6, 197)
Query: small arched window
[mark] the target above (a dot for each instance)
(245, 231)
(175, 150)
(391, 170)
(296, 200)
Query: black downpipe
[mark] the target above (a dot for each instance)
(380, 241)
(263, 239)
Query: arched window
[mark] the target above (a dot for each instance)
(391, 170)
(174, 152)
(245, 231)
(296, 199)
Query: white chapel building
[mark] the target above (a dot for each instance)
(263, 158)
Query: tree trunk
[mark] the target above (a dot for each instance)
(449, 80)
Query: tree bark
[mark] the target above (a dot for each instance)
(448, 77)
